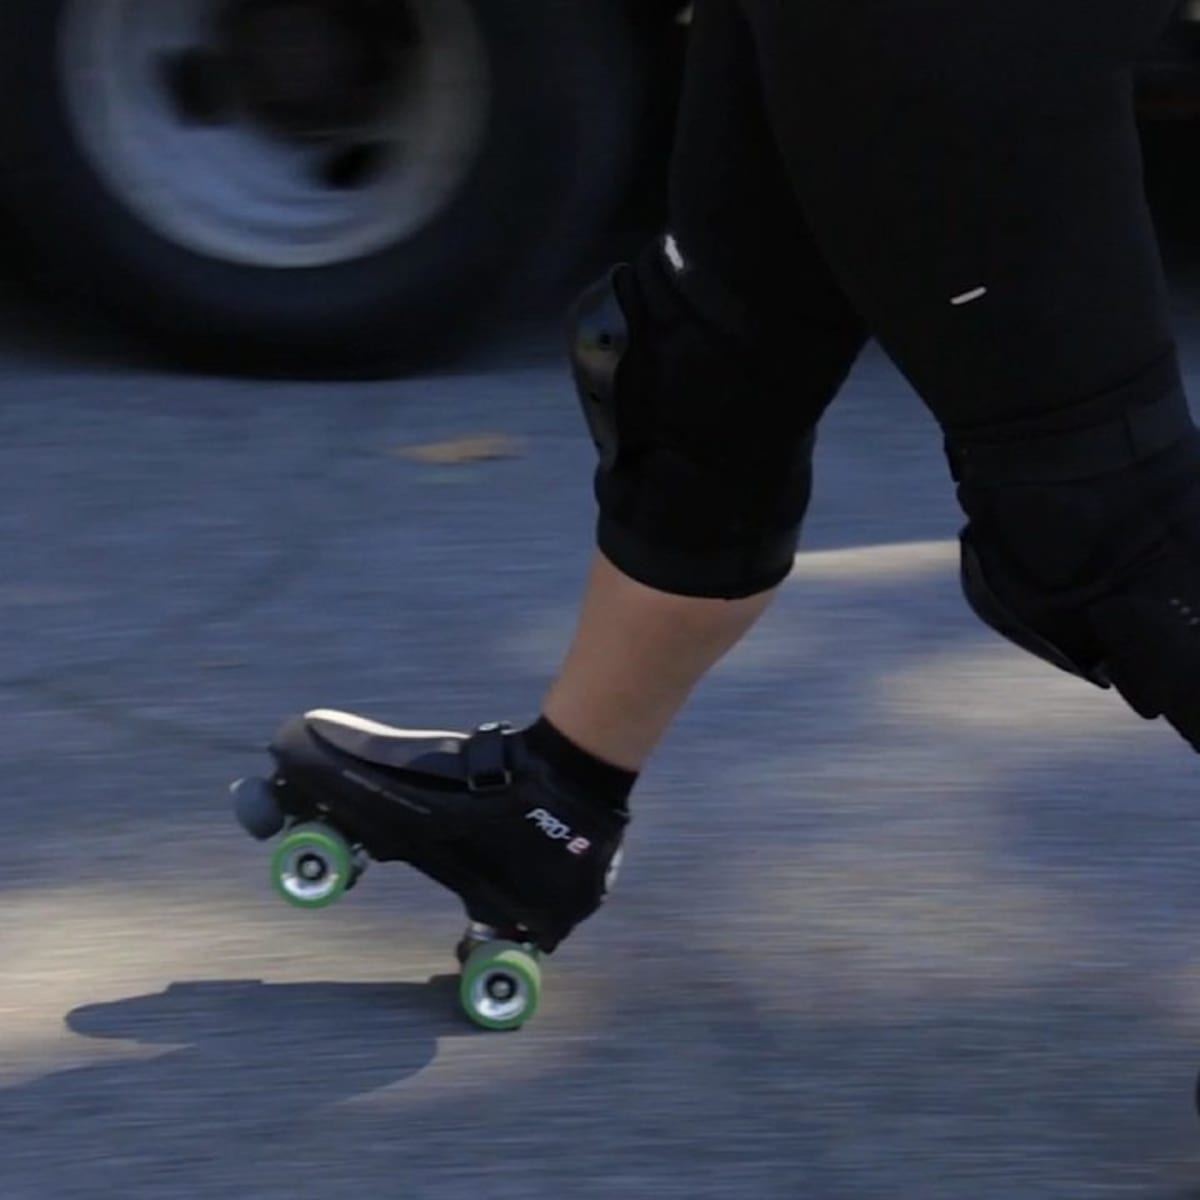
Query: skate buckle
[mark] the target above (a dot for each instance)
(483, 783)
(485, 760)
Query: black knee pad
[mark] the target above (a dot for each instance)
(1083, 542)
(695, 498)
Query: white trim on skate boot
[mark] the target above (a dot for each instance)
(376, 729)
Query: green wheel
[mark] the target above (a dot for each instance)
(313, 866)
(501, 985)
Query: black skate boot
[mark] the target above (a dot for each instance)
(528, 856)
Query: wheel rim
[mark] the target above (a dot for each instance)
(501, 992)
(311, 869)
(499, 996)
(277, 151)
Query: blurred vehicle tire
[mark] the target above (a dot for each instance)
(324, 187)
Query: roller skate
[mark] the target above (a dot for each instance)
(478, 813)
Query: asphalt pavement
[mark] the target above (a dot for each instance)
(904, 913)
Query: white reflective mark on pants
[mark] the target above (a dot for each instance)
(673, 253)
(967, 297)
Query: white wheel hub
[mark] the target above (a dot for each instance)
(237, 186)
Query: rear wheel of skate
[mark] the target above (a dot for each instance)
(313, 866)
(257, 810)
(501, 985)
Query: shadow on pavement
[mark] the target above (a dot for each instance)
(256, 1059)
(206, 1013)
(39, 328)
(34, 330)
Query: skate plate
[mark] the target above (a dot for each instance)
(314, 865)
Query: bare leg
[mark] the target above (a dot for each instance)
(635, 659)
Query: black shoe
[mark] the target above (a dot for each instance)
(479, 813)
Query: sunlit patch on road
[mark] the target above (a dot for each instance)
(995, 689)
(886, 563)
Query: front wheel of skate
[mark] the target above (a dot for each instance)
(501, 985)
(313, 866)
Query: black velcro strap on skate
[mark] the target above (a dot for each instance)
(485, 758)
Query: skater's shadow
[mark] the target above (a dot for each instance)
(247, 1060)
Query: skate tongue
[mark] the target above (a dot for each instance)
(483, 761)
(385, 746)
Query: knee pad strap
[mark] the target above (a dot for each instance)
(1132, 423)
(1083, 546)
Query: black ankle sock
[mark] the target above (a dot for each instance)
(598, 780)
